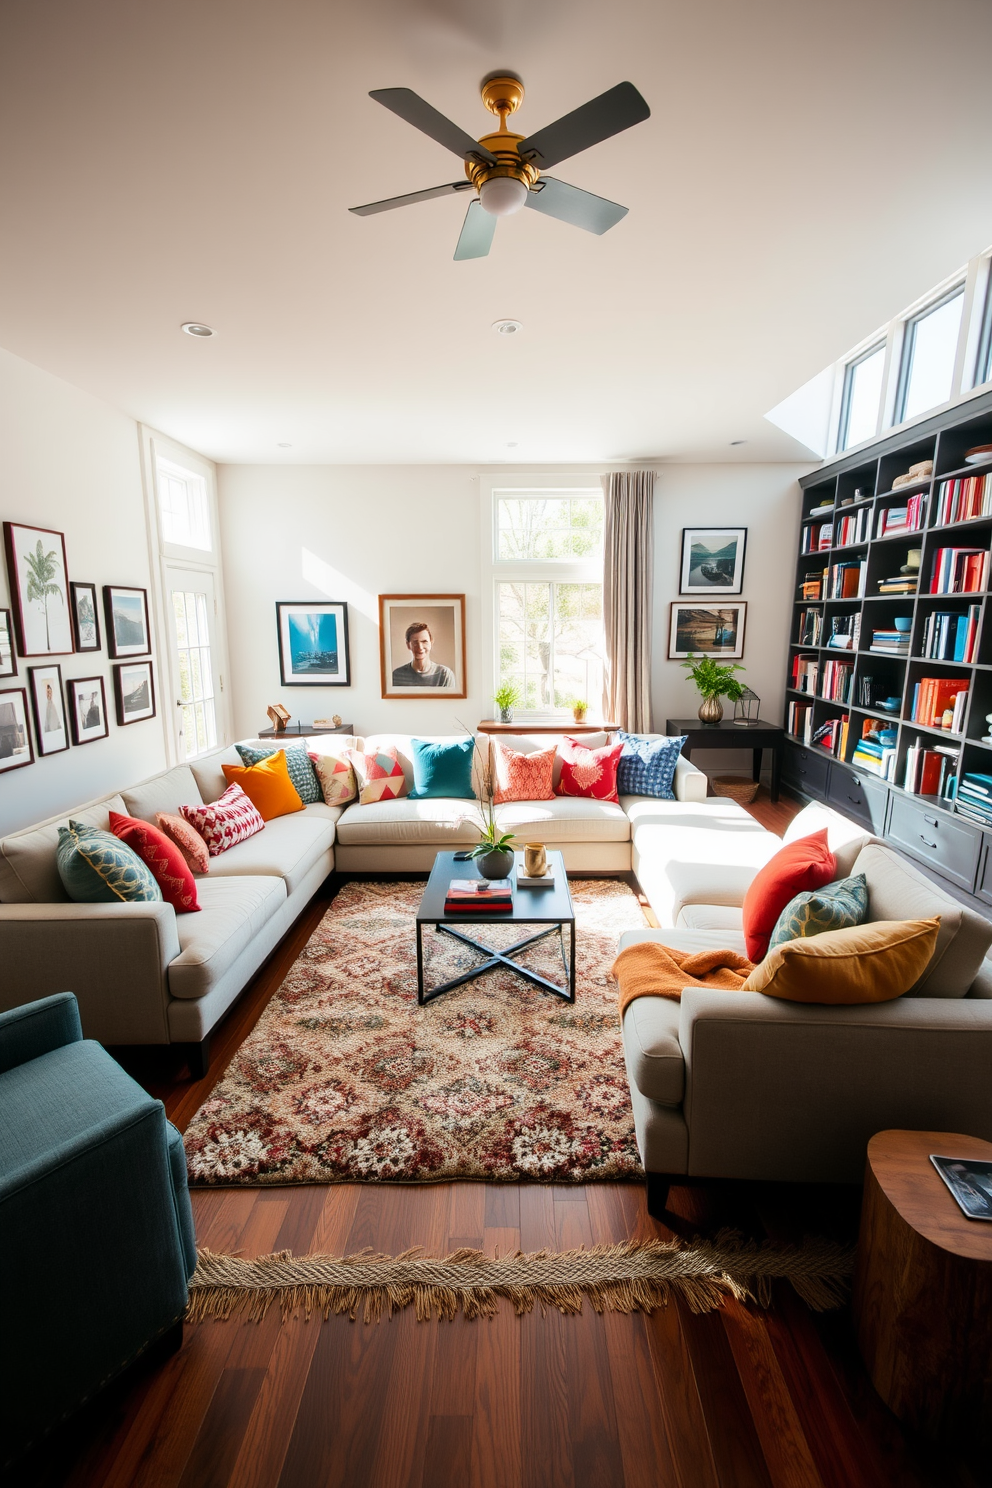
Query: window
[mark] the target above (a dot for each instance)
(983, 365)
(559, 527)
(184, 507)
(191, 597)
(862, 395)
(929, 349)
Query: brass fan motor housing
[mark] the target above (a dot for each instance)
(502, 94)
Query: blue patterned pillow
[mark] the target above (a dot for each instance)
(298, 764)
(836, 906)
(97, 868)
(647, 766)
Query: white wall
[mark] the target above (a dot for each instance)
(70, 462)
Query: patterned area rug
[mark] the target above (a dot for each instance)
(346, 1077)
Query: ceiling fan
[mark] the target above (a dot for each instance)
(505, 169)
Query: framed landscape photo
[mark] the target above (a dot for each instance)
(422, 645)
(48, 707)
(126, 610)
(134, 692)
(39, 589)
(87, 709)
(701, 630)
(8, 666)
(313, 643)
(712, 560)
(15, 736)
(85, 620)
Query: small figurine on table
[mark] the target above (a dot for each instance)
(279, 717)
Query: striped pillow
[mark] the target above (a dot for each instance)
(230, 819)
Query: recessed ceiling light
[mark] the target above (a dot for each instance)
(738, 441)
(507, 327)
(196, 328)
(511, 444)
(284, 446)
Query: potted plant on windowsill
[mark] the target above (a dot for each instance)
(713, 682)
(506, 697)
(579, 710)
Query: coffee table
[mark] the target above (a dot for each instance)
(551, 908)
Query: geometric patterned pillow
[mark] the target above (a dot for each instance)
(380, 776)
(297, 763)
(523, 777)
(230, 819)
(336, 778)
(97, 869)
(837, 906)
(647, 766)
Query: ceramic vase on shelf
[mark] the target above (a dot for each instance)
(495, 864)
(710, 710)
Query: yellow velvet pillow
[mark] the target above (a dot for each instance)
(864, 963)
(267, 785)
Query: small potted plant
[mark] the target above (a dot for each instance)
(713, 682)
(579, 710)
(506, 697)
(494, 852)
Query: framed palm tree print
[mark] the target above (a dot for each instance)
(39, 589)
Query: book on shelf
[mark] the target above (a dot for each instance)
(890, 642)
(950, 635)
(845, 631)
(853, 529)
(810, 627)
(877, 759)
(805, 673)
(908, 518)
(940, 702)
(929, 769)
(846, 580)
(832, 735)
(902, 584)
(812, 585)
(837, 681)
(964, 498)
(959, 571)
(800, 721)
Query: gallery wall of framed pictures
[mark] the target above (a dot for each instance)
(711, 568)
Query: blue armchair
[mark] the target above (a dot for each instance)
(96, 1229)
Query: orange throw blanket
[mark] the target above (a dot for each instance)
(652, 970)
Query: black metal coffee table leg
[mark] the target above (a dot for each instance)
(494, 959)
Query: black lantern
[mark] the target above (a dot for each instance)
(746, 708)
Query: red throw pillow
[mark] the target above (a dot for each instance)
(589, 772)
(169, 868)
(804, 865)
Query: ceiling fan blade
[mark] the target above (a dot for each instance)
(390, 202)
(476, 236)
(411, 107)
(601, 117)
(570, 204)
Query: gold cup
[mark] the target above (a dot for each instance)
(535, 860)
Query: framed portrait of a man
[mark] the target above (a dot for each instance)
(422, 645)
(313, 643)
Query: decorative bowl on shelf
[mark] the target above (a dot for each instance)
(889, 705)
(903, 622)
(979, 454)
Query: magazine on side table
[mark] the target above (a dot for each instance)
(970, 1182)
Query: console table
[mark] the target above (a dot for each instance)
(303, 731)
(729, 735)
(493, 726)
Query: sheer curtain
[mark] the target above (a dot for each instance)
(627, 584)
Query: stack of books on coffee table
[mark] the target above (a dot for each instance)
(478, 895)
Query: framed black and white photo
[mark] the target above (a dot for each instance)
(422, 645)
(39, 589)
(48, 707)
(87, 709)
(15, 736)
(85, 620)
(712, 560)
(8, 666)
(313, 643)
(706, 630)
(134, 691)
(126, 609)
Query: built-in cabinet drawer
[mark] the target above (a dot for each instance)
(983, 887)
(949, 845)
(863, 800)
(806, 769)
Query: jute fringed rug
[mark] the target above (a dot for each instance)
(634, 1277)
(346, 1077)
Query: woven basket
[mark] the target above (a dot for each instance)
(738, 788)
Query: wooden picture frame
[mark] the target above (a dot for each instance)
(128, 630)
(51, 730)
(314, 649)
(434, 620)
(134, 692)
(39, 589)
(706, 630)
(85, 612)
(86, 696)
(8, 663)
(16, 749)
(712, 561)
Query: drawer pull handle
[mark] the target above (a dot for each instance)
(925, 842)
(854, 800)
(931, 821)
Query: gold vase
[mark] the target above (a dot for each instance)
(710, 710)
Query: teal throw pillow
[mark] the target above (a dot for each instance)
(97, 868)
(836, 906)
(442, 767)
(298, 765)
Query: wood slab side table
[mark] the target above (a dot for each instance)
(923, 1289)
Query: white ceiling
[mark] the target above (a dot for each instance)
(808, 170)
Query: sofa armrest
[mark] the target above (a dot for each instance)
(690, 784)
(791, 1091)
(37, 1028)
(114, 957)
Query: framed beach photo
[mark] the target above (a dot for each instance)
(422, 645)
(134, 692)
(85, 620)
(712, 560)
(48, 707)
(15, 736)
(126, 610)
(313, 643)
(8, 666)
(699, 630)
(39, 589)
(87, 709)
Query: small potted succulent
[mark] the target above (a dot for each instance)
(713, 682)
(506, 697)
(579, 710)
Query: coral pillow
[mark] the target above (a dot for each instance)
(267, 785)
(380, 775)
(523, 777)
(802, 865)
(168, 866)
(186, 838)
(589, 772)
(336, 777)
(227, 821)
(863, 963)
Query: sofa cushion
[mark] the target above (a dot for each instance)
(589, 773)
(523, 777)
(188, 840)
(97, 868)
(647, 764)
(530, 743)
(449, 823)
(162, 857)
(287, 848)
(335, 777)
(403, 745)
(208, 773)
(694, 851)
(379, 774)
(28, 871)
(299, 766)
(844, 837)
(836, 906)
(268, 785)
(711, 917)
(860, 964)
(232, 912)
(654, 1054)
(442, 767)
(231, 819)
(165, 793)
(687, 940)
(565, 819)
(805, 864)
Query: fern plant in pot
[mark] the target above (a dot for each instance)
(713, 682)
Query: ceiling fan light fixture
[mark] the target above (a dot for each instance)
(500, 196)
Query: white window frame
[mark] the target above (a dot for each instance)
(905, 370)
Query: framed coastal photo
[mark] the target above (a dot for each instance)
(126, 610)
(15, 736)
(422, 645)
(8, 666)
(134, 692)
(39, 589)
(313, 643)
(700, 630)
(85, 620)
(712, 560)
(48, 707)
(87, 709)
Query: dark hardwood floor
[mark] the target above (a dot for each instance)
(734, 1399)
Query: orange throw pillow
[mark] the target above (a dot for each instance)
(801, 866)
(267, 785)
